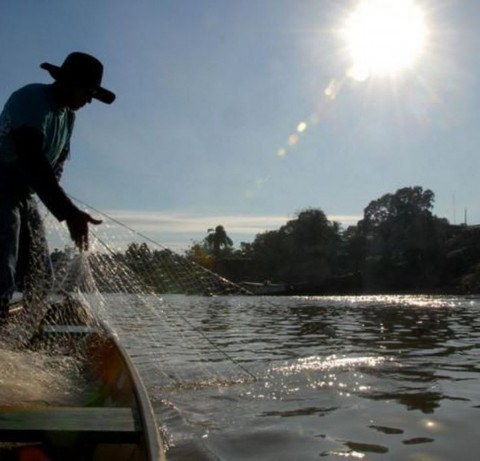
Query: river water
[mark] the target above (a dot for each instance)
(308, 378)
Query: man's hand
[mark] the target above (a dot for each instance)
(78, 227)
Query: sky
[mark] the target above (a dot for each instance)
(245, 113)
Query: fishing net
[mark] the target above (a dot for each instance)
(132, 285)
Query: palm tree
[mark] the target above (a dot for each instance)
(218, 239)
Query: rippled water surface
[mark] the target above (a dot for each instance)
(308, 378)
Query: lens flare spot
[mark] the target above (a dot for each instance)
(358, 72)
(302, 126)
(332, 89)
(433, 425)
(292, 139)
(282, 152)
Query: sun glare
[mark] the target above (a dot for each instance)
(384, 36)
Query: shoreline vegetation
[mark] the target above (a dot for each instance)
(399, 247)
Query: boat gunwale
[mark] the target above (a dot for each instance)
(150, 437)
(147, 416)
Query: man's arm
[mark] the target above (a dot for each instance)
(40, 175)
(59, 165)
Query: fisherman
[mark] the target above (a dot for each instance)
(35, 130)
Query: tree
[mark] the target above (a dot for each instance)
(197, 254)
(403, 239)
(138, 258)
(354, 249)
(218, 240)
(314, 245)
(305, 249)
(405, 204)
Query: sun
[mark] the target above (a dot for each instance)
(384, 36)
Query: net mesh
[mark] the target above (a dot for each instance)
(131, 285)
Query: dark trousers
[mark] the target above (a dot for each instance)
(23, 248)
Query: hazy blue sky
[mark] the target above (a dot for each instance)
(209, 91)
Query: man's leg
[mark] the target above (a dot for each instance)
(3, 309)
(9, 237)
(34, 276)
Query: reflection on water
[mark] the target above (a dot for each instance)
(371, 377)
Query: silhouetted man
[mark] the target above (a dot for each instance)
(35, 130)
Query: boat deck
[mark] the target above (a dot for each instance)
(112, 420)
(58, 424)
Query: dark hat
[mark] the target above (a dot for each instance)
(83, 70)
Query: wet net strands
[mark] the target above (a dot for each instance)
(168, 270)
(133, 289)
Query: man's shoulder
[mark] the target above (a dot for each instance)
(32, 91)
(34, 88)
(30, 106)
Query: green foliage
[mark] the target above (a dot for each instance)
(305, 249)
(402, 241)
(217, 239)
(398, 245)
(198, 254)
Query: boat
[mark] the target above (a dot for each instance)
(265, 288)
(116, 422)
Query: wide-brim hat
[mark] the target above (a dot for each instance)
(83, 70)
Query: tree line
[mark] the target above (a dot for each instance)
(398, 246)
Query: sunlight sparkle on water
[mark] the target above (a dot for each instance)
(347, 454)
(395, 300)
(330, 363)
(432, 425)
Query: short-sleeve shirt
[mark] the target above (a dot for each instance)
(34, 106)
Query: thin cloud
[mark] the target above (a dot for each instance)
(176, 231)
(144, 221)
